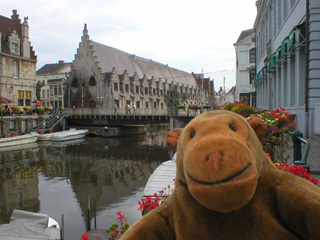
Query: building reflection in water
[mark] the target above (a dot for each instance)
(58, 179)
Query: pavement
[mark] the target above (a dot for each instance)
(313, 157)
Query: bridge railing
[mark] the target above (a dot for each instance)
(79, 112)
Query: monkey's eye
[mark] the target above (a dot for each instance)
(232, 127)
(192, 133)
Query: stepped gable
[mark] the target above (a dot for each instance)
(109, 57)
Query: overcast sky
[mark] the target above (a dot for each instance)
(188, 35)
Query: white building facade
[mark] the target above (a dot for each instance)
(245, 67)
(53, 77)
(288, 59)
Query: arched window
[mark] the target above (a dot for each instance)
(92, 104)
(75, 83)
(252, 54)
(92, 81)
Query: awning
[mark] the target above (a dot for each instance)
(277, 55)
(292, 38)
(5, 100)
(272, 60)
(284, 47)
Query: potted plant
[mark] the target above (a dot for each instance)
(27, 110)
(40, 110)
(15, 109)
(239, 107)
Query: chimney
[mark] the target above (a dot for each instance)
(15, 16)
(25, 38)
(61, 61)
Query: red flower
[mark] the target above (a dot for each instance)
(84, 236)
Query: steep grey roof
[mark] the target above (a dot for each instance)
(110, 57)
(51, 68)
(245, 34)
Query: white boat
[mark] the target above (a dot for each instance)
(48, 136)
(25, 225)
(69, 142)
(18, 140)
(69, 135)
(27, 146)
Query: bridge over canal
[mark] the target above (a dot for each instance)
(103, 122)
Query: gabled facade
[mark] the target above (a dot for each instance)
(53, 78)
(17, 61)
(245, 67)
(288, 53)
(102, 76)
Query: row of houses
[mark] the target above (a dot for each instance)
(278, 61)
(99, 77)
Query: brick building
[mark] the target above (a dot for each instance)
(17, 62)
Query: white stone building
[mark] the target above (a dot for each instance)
(245, 67)
(17, 62)
(288, 53)
(53, 77)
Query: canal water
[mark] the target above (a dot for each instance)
(57, 178)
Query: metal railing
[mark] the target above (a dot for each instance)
(79, 112)
(298, 158)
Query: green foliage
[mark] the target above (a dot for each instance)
(39, 85)
(172, 99)
(117, 230)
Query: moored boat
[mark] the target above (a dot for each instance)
(29, 225)
(48, 136)
(18, 140)
(69, 135)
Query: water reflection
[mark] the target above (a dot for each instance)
(57, 178)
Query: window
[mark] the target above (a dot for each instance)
(252, 54)
(137, 89)
(147, 104)
(24, 125)
(55, 90)
(35, 122)
(146, 90)
(161, 93)
(15, 72)
(14, 48)
(48, 93)
(154, 105)
(115, 86)
(43, 93)
(252, 74)
(127, 87)
(12, 125)
(59, 90)
(51, 91)
(154, 91)
(138, 104)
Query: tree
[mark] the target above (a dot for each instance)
(39, 85)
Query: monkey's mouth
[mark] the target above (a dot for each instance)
(227, 179)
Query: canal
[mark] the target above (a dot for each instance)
(57, 178)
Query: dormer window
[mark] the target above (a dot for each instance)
(14, 48)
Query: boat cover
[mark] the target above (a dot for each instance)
(27, 225)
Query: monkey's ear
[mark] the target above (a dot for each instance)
(173, 138)
(258, 126)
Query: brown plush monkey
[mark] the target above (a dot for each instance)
(227, 188)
